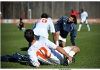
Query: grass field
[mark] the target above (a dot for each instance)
(13, 41)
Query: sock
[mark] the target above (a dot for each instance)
(71, 53)
(88, 27)
(80, 25)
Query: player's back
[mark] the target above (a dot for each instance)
(42, 27)
(43, 23)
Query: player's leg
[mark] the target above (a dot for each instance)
(79, 28)
(74, 50)
(86, 22)
(80, 25)
(71, 50)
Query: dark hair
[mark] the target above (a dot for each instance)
(75, 20)
(29, 35)
(20, 18)
(44, 15)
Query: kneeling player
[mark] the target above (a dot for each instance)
(21, 25)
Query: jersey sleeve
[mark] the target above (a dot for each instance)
(33, 57)
(51, 27)
(86, 14)
(34, 26)
(50, 44)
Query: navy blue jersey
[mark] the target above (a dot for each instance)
(63, 24)
(65, 27)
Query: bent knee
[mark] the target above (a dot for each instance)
(75, 48)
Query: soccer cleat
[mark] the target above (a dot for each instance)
(78, 30)
(73, 60)
(67, 62)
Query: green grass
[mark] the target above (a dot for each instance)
(13, 41)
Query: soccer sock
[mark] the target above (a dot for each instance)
(80, 25)
(88, 27)
(71, 53)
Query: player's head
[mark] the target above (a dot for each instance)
(72, 10)
(29, 35)
(44, 15)
(72, 19)
(21, 19)
(82, 10)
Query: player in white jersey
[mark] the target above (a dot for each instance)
(47, 52)
(42, 25)
(84, 16)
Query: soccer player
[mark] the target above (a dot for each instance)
(75, 13)
(42, 25)
(47, 52)
(21, 25)
(84, 16)
(62, 27)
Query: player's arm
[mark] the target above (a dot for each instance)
(61, 50)
(52, 30)
(34, 26)
(33, 58)
(57, 29)
(73, 36)
(86, 15)
(58, 48)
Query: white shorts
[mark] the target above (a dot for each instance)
(84, 21)
(62, 39)
(67, 49)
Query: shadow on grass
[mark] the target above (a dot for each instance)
(24, 49)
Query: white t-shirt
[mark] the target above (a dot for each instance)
(42, 27)
(44, 50)
(84, 15)
(0, 13)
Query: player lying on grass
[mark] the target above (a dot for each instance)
(47, 52)
(43, 51)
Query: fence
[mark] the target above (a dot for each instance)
(33, 9)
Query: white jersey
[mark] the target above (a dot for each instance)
(42, 26)
(44, 51)
(0, 13)
(84, 15)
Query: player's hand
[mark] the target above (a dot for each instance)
(37, 66)
(70, 58)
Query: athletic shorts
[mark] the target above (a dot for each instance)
(67, 49)
(84, 21)
(62, 39)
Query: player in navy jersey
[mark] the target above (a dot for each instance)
(62, 27)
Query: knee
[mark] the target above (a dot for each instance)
(78, 49)
(75, 48)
